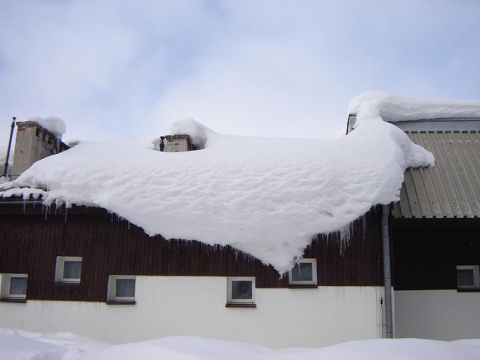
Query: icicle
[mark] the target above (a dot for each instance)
(45, 208)
(24, 205)
(345, 236)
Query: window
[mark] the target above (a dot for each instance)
(121, 289)
(68, 269)
(14, 287)
(303, 273)
(468, 277)
(241, 291)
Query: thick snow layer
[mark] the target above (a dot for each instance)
(264, 196)
(52, 123)
(392, 108)
(20, 345)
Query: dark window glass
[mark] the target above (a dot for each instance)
(72, 269)
(125, 288)
(465, 278)
(241, 289)
(18, 286)
(302, 272)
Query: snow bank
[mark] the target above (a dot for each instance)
(52, 123)
(393, 108)
(23, 345)
(188, 348)
(15, 345)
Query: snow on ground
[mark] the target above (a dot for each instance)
(21, 345)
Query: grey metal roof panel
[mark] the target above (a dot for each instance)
(449, 189)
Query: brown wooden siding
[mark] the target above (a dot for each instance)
(30, 241)
(427, 251)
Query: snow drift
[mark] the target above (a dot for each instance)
(20, 345)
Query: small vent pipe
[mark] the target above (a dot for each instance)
(162, 144)
(5, 171)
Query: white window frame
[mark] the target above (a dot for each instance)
(240, 302)
(5, 291)
(312, 282)
(476, 277)
(112, 289)
(60, 266)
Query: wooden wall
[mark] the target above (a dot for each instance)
(427, 251)
(31, 239)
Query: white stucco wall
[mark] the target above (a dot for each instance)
(437, 314)
(195, 306)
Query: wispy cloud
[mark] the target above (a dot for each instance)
(120, 69)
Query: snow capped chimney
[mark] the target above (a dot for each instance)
(34, 142)
(175, 143)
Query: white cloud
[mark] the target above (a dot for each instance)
(119, 69)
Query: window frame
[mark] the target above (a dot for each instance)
(5, 288)
(304, 283)
(60, 267)
(476, 278)
(231, 302)
(112, 297)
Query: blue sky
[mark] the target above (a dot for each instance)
(121, 69)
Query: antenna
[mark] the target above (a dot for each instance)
(9, 146)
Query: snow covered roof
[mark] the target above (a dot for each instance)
(264, 196)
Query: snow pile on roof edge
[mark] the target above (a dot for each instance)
(392, 108)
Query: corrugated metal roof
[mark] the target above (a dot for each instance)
(450, 189)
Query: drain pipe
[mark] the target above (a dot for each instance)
(9, 146)
(387, 274)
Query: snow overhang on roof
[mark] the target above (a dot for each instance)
(450, 129)
(392, 108)
(267, 197)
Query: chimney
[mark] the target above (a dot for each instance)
(176, 143)
(33, 143)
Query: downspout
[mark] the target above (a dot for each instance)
(9, 146)
(387, 274)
